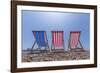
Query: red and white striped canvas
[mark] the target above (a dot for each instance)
(74, 39)
(57, 38)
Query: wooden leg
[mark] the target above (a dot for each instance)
(80, 44)
(33, 45)
(63, 45)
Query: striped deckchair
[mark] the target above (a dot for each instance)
(74, 40)
(40, 40)
(57, 41)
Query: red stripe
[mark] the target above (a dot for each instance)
(74, 39)
(60, 38)
(54, 37)
(57, 38)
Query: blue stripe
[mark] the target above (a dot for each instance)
(40, 38)
(43, 42)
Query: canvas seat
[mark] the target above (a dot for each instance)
(74, 41)
(41, 41)
(57, 41)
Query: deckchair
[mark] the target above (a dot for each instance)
(57, 41)
(74, 40)
(40, 40)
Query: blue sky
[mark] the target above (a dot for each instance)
(50, 21)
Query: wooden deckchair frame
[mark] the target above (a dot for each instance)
(69, 47)
(53, 48)
(39, 49)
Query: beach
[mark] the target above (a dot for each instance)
(55, 56)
